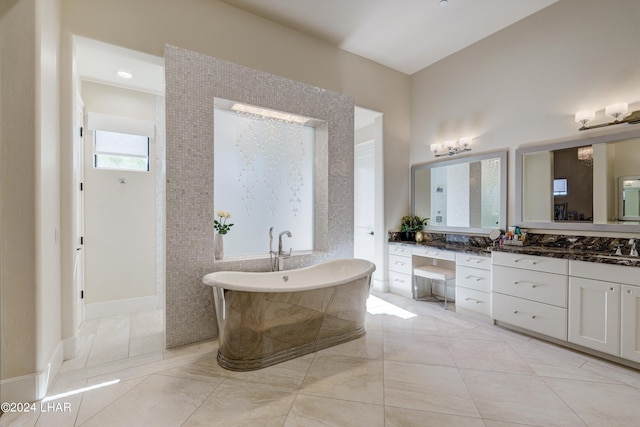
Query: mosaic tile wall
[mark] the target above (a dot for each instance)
(192, 82)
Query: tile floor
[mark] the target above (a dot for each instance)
(417, 366)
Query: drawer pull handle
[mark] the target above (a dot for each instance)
(523, 282)
(398, 280)
(477, 260)
(533, 316)
(399, 263)
(473, 299)
(527, 259)
(475, 277)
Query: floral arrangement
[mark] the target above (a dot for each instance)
(221, 225)
(411, 223)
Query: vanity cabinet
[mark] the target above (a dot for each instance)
(400, 270)
(630, 324)
(531, 292)
(473, 285)
(604, 308)
(594, 314)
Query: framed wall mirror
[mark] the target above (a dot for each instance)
(629, 198)
(579, 184)
(464, 195)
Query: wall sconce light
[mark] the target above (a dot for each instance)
(452, 148)
(617, 111)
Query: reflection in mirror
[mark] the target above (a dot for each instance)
(576, 184)
(467, 193)
(573, 184)
(629, 198)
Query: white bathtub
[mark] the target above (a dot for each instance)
(267, 318)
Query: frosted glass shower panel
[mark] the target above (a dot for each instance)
(263, 175)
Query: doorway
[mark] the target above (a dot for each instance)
(369, 235)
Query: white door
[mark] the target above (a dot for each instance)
(594, 314)
(364, 201)
(630, 329)
(78, 201)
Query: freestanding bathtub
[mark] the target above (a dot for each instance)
(267, 318)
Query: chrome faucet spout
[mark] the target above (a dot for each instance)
(288, 233)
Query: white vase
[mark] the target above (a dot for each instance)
(218, 246)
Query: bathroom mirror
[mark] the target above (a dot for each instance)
(466, 194)
(629, 198)
(575, 185)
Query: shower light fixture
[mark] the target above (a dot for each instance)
(264, 112)
(616, 111)
(452, 148)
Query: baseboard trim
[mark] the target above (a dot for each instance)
(380, 285)
(32, 387)
(121, 306)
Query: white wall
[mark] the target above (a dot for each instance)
(120, 219)
(524, 84)
(30, 197)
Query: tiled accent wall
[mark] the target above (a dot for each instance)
(192, 82)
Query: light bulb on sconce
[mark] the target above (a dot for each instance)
(451, 147)
(617, 111)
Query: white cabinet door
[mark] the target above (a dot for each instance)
(594, 314)
(630, 328)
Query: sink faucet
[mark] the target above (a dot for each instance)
(634, 251)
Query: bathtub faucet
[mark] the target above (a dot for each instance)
(276, 257)
(280, 253)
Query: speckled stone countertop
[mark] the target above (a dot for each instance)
(581, 248)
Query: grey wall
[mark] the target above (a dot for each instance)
(192, 82)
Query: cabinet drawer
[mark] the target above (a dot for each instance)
(400, 284)
(534, 316)
(531, 262)
(547, 288)
(606, 272)
(475, 261)
(399, 250)
(429, 252)
(470, 299)
(474, 278)
(400, 264)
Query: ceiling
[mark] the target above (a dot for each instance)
(406, 35)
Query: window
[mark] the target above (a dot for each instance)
(115, 150)
(560, 187)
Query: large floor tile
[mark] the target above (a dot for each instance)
(237, 403)
(369, 346)
(314, 411)
(599, 404)
(111, 341)
(287, 375)
(428, 388)
(400, 417)
(347, 378)
(96, 400)
(484, 355)
(417, 348)
(156, 401)
(517, 398)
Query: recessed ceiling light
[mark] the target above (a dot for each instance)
(124, 74)
(443, 2)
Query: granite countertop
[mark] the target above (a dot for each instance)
(602, 257)
(454, 247)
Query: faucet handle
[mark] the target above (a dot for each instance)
(619, 251)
